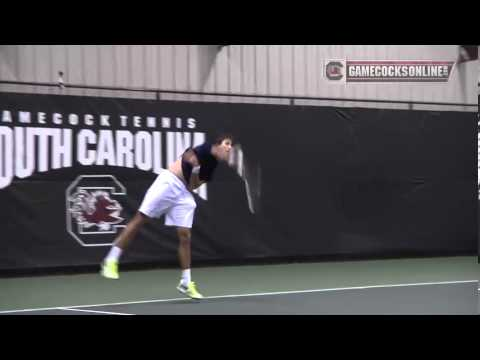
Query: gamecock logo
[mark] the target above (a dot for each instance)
(334, 70)
(94, 210)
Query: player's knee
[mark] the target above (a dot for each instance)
(139, 219)
(184, 242)
(184, 236)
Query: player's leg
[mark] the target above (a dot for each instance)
(110, 263)
(184, 254)
(186, 285)
(131, 230)
(181, 216)
(157, 200)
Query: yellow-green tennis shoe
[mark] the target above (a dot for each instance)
(189, 290)
(110, 269)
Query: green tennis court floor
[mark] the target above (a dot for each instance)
(402, 286)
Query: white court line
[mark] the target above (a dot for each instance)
(245, 295)
(94, 311)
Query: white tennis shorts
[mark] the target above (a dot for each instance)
(168, 195)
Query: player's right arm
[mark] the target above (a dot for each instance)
(186, 164)
(190, 157)
(195, 182)
(191, 164)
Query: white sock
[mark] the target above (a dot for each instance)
(186, 277)
(114, 254)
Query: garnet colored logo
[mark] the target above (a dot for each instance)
(94, 210)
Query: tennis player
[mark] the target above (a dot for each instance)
(170, 195)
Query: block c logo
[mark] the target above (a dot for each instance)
(93, 209)
(334, 70)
